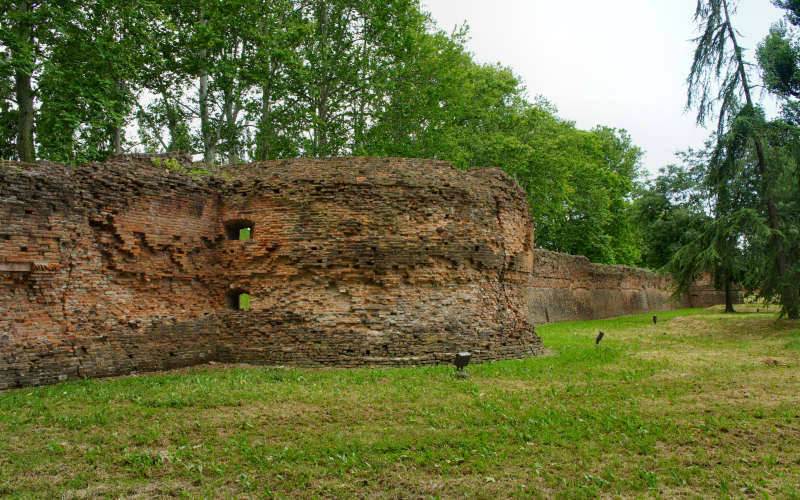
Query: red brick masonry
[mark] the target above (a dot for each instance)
(127, 266)
(570, 287)
(111, 268)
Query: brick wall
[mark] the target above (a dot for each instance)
(111, 268)
(127, 266)
(704, 293)
(570, 288)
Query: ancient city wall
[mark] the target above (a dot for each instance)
(570, 288)
(104, 269)
(138, 265)
(129, 266)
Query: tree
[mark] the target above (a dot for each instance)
(670, 212)
(276, 36)
(27, 31)
(21, 38)
(8, 111)
(90, 79)
(239, 80)
(712, 198)
(348, 53)
(578, 182)
(783, 142)
(719, 58)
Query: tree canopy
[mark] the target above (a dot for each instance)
(737, 198)
(250, 80)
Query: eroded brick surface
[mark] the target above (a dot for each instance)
(112, 268)
(127, 266)
(570, 288)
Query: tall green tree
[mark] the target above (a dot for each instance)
(8, 110)
(720, 242)
(578, 182)
(21, 37)
(28, 31)
(276, 36)
(719, 77)
(236, 80)
(90, 80)
(345, 53)
(779, 61)
(670, 212)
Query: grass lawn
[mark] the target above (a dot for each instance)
(700, 405)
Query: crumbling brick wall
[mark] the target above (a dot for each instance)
(102, 270)
(135, 265)
(570, 288)
(705, 293)
(129, 266)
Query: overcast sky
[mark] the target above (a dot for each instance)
(621, 63)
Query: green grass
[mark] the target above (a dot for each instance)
(244, 301)
(700, 405)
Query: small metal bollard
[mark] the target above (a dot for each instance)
(655, 320)
(599, 338)
(461, 360)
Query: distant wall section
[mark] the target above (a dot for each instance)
(570, 288)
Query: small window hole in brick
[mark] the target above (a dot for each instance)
(239, 229)
(239, 300)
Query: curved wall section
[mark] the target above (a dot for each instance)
(379, 261)
(129, 266)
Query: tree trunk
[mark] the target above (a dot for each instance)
(116, 132)
(792, 305)
(209, 148)
(172, 123)
(321, 102)
(729, 293)
(209, 145)
(24, 89)
(321, 138)
(228, 126)
(25, 147)
(266, 125)
(116, 128)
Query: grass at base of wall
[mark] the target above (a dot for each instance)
(700, 404)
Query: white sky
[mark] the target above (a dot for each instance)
(621, 63)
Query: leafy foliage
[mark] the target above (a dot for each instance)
(238, 80)
(744, 163)
(670, 212)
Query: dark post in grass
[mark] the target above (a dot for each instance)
(461, 360)
(655, 320)
(599, 338)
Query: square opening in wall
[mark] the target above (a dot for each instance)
(239, 230)
(239, 300)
